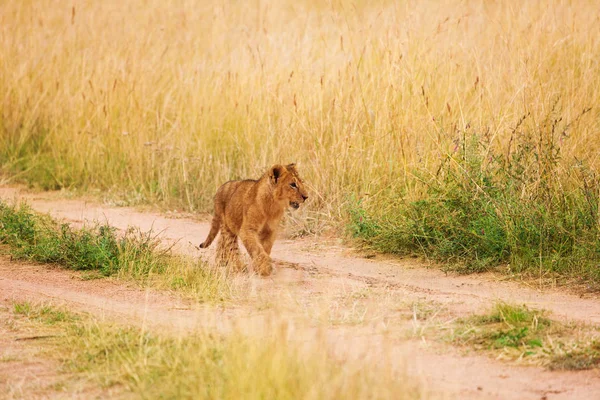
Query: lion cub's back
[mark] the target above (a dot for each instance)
(230, 199)
(239, 189)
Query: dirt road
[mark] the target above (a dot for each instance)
(367, 304)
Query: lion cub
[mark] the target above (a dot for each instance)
(252, 209)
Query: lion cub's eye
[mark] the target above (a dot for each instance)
(293, 184)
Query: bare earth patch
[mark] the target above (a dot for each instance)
(364, 307)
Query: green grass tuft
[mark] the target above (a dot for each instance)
(103, 251)
(520, 333)
(39, 238)
(506, 326)
(43, 313)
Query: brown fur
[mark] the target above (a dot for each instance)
(252, 209)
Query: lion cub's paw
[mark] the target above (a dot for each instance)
(263, 266)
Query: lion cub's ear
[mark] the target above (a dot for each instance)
(291, 167)
(276, 172)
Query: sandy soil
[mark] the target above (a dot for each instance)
(366, 304)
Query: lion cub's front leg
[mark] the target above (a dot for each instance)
(261, 261)
(267, 237)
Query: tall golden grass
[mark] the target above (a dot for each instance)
(170, 99)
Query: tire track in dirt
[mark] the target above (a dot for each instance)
(306, 268)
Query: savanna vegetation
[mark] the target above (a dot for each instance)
(135, 363)
(465, 131)
(100, 251)
(519, 333)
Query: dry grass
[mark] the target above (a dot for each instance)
(170, 100)
(200, 365)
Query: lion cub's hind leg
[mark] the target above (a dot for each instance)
(228, 251)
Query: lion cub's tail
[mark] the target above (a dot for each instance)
(214, 229)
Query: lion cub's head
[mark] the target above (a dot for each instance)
(288, 187)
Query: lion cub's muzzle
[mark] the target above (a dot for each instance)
(296, 204)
